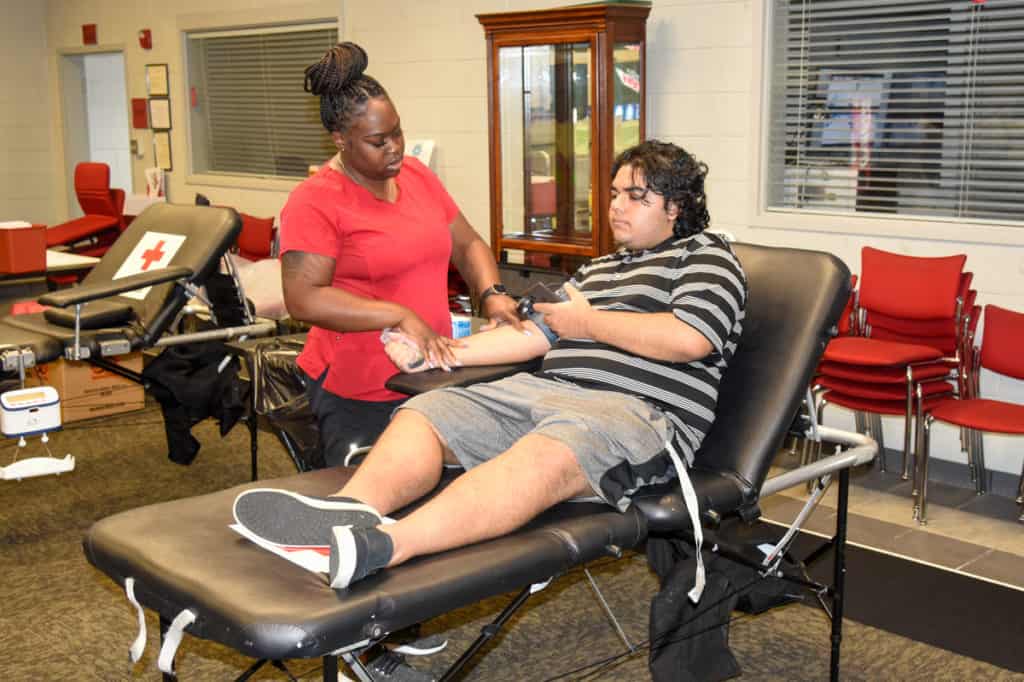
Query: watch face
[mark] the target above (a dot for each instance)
(499, 289)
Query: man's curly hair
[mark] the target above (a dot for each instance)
(673, 173)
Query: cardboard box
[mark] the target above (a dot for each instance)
(22, 247)
(87, 391)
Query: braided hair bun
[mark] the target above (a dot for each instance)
(343, 87)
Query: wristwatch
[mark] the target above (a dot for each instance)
(490, 291)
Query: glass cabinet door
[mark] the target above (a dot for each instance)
(626, 111)
(545, 96)
(565, 95)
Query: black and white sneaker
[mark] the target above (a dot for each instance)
(392, 667)
(357, 553)
(289, 519)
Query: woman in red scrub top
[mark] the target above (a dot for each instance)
(365, 245)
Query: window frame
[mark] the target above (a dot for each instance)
(317, 12)
(834, 222)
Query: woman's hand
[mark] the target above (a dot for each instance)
(500, 309)
(436, 349)
(403, 351)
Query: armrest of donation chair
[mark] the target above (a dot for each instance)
(248, 599)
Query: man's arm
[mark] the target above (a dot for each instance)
(658, 336)
(496, 346)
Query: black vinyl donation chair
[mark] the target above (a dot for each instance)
(253, 601)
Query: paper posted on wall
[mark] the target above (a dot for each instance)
(154, 182)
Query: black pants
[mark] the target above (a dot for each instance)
(345, 422)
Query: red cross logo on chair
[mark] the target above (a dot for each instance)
(153, 251)
(153, 255)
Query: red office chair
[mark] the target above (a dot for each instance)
(256, 240)
(93, 233)
(909, 319)
(1000, 353)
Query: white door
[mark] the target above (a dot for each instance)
(95, 102)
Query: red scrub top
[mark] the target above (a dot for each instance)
(390, 252)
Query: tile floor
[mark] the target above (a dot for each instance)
(975, 535)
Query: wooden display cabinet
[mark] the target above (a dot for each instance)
(565, 95)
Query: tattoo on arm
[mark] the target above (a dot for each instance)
(307, 268)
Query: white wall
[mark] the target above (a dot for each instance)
(704, 83)
(26, 123)
(118, 24)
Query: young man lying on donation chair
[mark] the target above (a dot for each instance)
(629, 382)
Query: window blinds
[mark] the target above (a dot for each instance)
(897, 106)
(251, 113)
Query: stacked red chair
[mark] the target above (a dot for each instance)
(908, 327)
(999, 353)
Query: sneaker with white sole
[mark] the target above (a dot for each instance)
(357, 553)
(286, 518)
(391, 667)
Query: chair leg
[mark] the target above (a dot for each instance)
(919, 446)
(979, 462)
(810, 404)
(876, 431)
(859, 424)
(922, 498)
(908, 426)
(1020, 488)
(1020, 495)
(608, 611)
(965, 446)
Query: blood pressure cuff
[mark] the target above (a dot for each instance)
(538, 319)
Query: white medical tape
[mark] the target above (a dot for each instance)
(139, 645)
(172, 638)
(690, 497)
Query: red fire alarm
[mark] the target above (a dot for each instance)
(146, 39)
(88, 34)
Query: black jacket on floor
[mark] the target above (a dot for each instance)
(186, 382)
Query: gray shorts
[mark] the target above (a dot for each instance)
(618, 440)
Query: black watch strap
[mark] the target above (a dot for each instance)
(490, 291)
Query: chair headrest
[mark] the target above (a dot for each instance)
(92, 175)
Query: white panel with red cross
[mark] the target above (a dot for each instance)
(153, 252)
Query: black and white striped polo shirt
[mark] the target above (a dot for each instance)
(699, 280)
